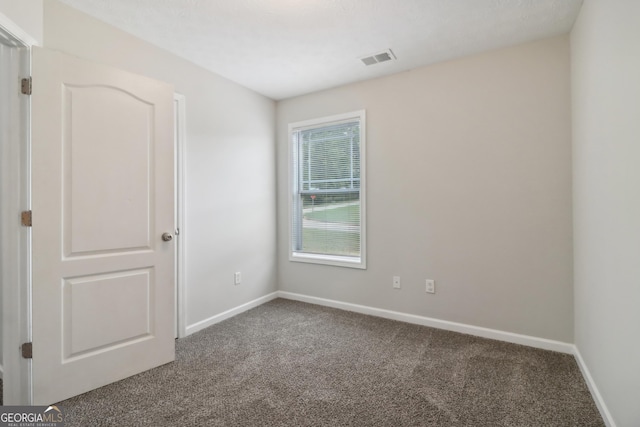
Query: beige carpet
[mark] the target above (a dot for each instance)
(287, 363)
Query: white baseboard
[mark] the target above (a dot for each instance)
(530, 341)
(595, 393)
(190, 329)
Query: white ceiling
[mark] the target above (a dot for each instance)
(284, 48)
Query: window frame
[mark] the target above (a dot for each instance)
(293, 192)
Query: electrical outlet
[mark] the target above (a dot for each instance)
(430, 286)
(396, 282)
(237, 278)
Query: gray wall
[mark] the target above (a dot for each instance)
(605, 62)
(230, 171)
(469, 183)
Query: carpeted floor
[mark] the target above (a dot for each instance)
(287, 363)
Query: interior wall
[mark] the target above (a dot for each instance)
(469, 183)
(605, 62)
(230, 164)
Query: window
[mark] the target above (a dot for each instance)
(327, 209)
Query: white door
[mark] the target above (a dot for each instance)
(102, 197)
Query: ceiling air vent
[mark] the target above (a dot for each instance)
(387, 55)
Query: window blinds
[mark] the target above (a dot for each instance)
(327, 204)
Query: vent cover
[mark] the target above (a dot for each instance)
(384, 56)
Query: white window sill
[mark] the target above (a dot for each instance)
(334, 260)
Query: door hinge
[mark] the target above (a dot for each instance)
(26, 86)
(27, 350)
(26, 218)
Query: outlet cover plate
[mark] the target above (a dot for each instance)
(430, 286)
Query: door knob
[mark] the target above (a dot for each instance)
(167, 237)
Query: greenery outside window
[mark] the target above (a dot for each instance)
(327, 210)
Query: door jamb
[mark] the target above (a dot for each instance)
(16, 251)
(180, 232)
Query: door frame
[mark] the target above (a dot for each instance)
(16, 249)
(180, 132)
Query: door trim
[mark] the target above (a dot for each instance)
(16, 247)
(16, 32)
(180, 192)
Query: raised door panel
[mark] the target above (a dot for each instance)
(108, 146)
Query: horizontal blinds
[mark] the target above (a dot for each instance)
(327, 193)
